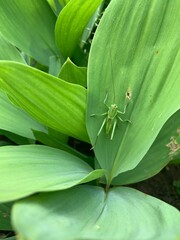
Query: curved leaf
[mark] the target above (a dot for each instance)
(86, 212)
(15, 120)
(134, 59)
(25, 170)
(64, 2)
(50, 100)
(13, 139)
(9, 52)
(73, 74)
(55, 139)
(86, 38)
(71, 23)
(29, 25)
(56, 5)
(158, 156)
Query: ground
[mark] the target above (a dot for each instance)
(162, 185)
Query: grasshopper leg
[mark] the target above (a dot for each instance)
(113, 129)
(123, 120)
(123, 110)
(104, 121)
(105, 100)
(101, 114)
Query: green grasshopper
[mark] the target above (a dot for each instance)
(112, 115)
(111, 119)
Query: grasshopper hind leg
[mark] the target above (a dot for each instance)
(113, 129)
(104, 121)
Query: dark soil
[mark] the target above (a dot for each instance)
(162, 185)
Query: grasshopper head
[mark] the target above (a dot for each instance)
(114, 107)
(112, 111)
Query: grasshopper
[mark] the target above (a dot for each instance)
(111, 118)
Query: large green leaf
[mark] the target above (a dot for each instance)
(87, 212)
(135, 59)
(158, 156)
(15, 120)
(5, 217)
(25, 170)
(50, 100)
(8, 51)
(29, 25)
(71, 23)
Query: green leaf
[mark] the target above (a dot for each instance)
(29, 25)
(5, 217)
(50, 100)
(135, 60)
(71, 23)
(86, 36)
(51, 136)
(54, 65)
(25, 170)
(15, 120)
(73, 74)
(56, 6)
(19, 140)
(87, 212)
(13, 238)
(176, 161)
(158, 156)
(4, 143)
(64, 2)
(9, 52)
(57, 140)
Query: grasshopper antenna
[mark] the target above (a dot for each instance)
(111, 66)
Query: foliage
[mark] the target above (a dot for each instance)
(73, 71)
